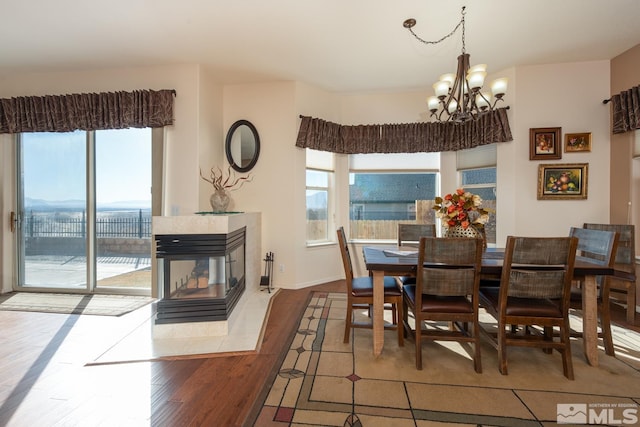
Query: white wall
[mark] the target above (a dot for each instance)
(318, 264)
(559, 95)
(566, 95)
(271, 109)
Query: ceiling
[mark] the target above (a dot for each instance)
(338, 45)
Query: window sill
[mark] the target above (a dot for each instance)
(321, 244)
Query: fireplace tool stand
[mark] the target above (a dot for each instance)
(266, 280)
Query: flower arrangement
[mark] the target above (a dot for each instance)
(461, 208)
(229, 183)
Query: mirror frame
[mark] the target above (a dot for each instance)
(229, 139)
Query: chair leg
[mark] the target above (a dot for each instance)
(418, 338)
(548, 336)
(348, 321)
(631, 303)
(405, 318)
(399, 321)
(477, 359)
(567, 363)
(605, 322)
(502, 350)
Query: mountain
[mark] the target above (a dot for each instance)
(41, 204)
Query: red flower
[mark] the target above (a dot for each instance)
(461, 208)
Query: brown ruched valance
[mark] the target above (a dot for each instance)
(87, 111)
(321, 135)
(626, 110)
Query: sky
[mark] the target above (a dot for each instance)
(54, 165)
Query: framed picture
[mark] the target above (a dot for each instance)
(545, 144)
(576, 142)
(562, 181)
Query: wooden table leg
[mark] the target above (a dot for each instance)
(378, 312)
(590, 319)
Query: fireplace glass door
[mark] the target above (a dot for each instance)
(204, 276)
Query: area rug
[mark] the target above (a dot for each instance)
(102, 305)
(322, 381)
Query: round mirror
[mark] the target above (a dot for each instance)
(242, 146)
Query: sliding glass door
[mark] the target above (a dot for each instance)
(84, 211)
(52, 210)
(123, 209)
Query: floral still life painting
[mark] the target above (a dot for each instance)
(577, 142)
(562, 181)
(544, 143)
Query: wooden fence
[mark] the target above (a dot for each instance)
(388, 229)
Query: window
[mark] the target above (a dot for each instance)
(319, 197)
(478, 174)
(386, 189)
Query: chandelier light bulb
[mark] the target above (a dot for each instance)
(478, 67)
(441, 88)
(476, 79)
(499, 87)
(433, 102)
(453, 106)
(449, 77)
(483, 100)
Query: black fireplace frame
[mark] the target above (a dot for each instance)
(170, 247)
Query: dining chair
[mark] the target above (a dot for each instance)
(534, 293)
(409, 236)
(360, 295)
(626, 262)
(600, 247)
(446, 290)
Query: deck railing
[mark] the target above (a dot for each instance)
(112, 225)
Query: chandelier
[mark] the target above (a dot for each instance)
(460, 97)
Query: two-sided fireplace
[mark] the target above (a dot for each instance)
(202, 275)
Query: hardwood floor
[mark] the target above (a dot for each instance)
(44, 379)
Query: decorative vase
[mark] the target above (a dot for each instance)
(469, 232)
(219, 200)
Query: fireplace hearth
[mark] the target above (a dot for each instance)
(202, 275)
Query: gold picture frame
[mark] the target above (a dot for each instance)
(563, 181)
(545, 144)
(577, 142)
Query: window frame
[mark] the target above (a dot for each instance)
(327, 166)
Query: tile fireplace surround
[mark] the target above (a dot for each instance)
(210, 224)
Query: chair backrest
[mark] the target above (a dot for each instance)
(346, 257)
(450, 266)
(538, 267)
(410, 234)
(626, 253)
(598, 245)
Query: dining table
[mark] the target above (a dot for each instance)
(400, 261)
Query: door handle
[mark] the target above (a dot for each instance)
(13, 221)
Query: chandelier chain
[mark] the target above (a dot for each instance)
(461, 23)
